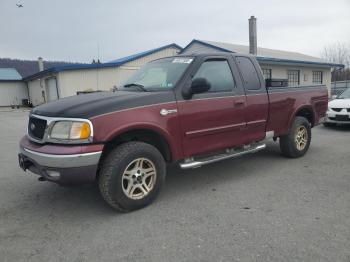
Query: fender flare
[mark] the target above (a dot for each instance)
(298, 109)
(146, 126)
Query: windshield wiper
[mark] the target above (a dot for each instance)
(139, 86)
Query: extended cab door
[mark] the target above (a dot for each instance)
(212, 120)
(257, 103)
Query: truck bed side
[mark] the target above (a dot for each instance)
(288, 102)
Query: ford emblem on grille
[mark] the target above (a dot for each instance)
(32, 126)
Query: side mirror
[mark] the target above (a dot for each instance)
(334, 96)
(198, 86)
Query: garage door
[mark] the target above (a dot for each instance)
(12, 93)
(51, 90)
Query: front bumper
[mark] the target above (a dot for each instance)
(61, 164)
(338, 118)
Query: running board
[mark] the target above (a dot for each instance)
(230, 153)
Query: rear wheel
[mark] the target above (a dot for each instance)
(131, 176)
(297, 142)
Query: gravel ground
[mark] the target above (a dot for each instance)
(260, 207)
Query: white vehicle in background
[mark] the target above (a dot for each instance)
(339, 110)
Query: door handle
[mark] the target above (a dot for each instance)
(239, 103)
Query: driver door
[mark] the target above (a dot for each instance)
(213, 120)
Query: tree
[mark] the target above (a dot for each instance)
(338, 53)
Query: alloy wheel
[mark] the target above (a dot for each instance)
(301, 138)
(139, 178)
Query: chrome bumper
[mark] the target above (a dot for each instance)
(62, 161)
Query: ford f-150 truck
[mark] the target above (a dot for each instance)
(192, 110)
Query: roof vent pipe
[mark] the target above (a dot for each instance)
(253, 45)
(40, 64)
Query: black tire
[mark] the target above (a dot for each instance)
(288, 145)
(112, 170)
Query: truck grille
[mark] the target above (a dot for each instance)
(36, 128)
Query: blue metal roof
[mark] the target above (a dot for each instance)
(114, 63)
(145, 53)
(287, 61)
(205, 44)
(264, 58)
(10, 74)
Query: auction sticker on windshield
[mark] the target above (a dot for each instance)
(183, 60)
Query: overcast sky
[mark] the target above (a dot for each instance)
(72, 30)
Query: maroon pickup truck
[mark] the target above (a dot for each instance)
(193, 110)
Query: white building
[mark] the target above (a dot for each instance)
(63, 81)
(299, 69)
(12, 88)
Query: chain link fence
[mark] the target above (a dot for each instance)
(339, 86)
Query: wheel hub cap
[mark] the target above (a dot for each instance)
(301, 138)
(139, 178)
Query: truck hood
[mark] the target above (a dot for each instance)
(94, 104)
(339, 103)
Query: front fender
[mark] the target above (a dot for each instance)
(169, 139)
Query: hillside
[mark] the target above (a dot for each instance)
(29, 67)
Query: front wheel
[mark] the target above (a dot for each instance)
(131, 176)
(297, 142)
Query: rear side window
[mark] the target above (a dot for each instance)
(218, 73)
(249, 73)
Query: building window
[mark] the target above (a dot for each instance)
(267, 73)
(293, 77)
(317, 77)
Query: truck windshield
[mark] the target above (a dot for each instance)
(160, 74)
(345, 94)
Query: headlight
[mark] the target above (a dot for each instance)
(70, 130)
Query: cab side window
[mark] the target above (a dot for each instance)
(218, 73)
(249, 73)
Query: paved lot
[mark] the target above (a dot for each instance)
(261, 207)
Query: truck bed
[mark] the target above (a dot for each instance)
(285, 101)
